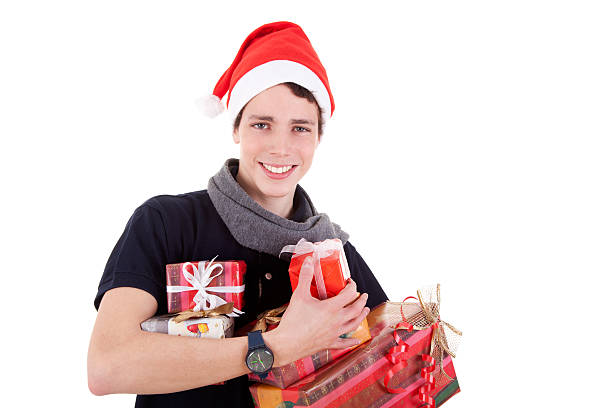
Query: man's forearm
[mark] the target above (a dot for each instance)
(155, 363)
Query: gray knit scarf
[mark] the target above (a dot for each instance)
(259, 229)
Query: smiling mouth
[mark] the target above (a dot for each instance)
(277, 169)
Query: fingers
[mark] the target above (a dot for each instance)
(353, 324)
(306, 274)
(347, 295)
(356, 308)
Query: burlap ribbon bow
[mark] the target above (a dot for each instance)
(224, 309)
(445, 337)
(269, 317)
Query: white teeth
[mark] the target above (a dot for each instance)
(277, 170)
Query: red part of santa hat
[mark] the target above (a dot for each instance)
(272, 54)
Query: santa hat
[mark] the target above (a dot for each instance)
(272, 54)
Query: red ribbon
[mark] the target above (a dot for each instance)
(430, 382)
(398, 356)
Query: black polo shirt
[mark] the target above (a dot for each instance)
(171, 229)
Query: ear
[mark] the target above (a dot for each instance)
(236, 137)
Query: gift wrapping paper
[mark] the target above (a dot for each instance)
(356, 379)
(230, 274)
(218, 327)
(329, 259)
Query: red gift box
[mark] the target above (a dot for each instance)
(205, 285)
(358, 378)
(330, 266)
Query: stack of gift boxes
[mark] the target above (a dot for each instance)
(403, 358)
(203, 299)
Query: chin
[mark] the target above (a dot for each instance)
(271, 189)
(276, 192)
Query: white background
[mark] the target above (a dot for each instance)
(470, 146)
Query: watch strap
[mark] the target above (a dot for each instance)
(256, 340)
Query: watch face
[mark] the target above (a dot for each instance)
(260, 360)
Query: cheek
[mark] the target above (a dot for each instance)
(308, 150)
(247, 147)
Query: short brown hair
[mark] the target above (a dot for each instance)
(298, 91)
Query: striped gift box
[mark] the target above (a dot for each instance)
(230, 273)
(356, 379)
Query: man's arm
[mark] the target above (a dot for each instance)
(124, 359)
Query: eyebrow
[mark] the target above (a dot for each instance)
(292, 121)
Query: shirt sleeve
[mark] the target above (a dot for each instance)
(138, 260)
(363, 277)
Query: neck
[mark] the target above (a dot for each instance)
(281, 206)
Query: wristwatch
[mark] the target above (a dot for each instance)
(259, 358)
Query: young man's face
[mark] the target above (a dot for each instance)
(278, 135)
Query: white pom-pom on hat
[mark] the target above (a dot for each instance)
(210, 105)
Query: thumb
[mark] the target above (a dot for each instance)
(306, 274)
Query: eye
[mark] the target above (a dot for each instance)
(259, 125)
(302, 129)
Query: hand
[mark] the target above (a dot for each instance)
(310, 325)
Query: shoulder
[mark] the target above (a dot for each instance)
(363, 276)
(355, 261)
(349, 249)
(185, 218)
(167, 203)
(179, 207)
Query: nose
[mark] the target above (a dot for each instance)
(279, 142)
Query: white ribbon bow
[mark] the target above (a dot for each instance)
(200, 280)
(320, 250)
